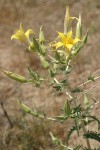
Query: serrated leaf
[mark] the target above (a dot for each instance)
(58, 87)
(92, 135)
(74, 128)
(95, 119)
(77, 90)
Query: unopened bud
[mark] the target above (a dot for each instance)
(24, 107)
(41, 36)
(15, 76)
(44, 62)
(79, 28)
(66, 20)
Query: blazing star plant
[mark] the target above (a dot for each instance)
(64, 49)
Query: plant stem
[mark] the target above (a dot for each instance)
(88, 81)
(76, 121)
(84, 130)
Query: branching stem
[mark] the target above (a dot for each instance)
(88, 81)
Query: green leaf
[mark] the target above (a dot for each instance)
(76, 90)
(77, 110)
(86, 102)
(91, 77)
(52, 74)
(59, 58)
(37, 46)
(58, 87)
(64, 82)
(62, 118)
(95, 119)
(35, 76)
(74, 128)
(84, 40)
(67, 109)
(92, 135)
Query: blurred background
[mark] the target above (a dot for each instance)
(28, 133)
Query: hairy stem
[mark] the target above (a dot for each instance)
(88, 81)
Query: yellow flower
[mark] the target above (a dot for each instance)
(67, 41)
(23, 36)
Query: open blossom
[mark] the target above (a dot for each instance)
(23, 36)
(67, 41)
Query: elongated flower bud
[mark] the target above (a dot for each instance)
(15, 76)
(41, 36)
(79, 28)
(66, 20)
(24, 107)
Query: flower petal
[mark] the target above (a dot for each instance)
(28, 32)
(69, 46)
(14, 37)
(19, 33)
(70, 34)
(62, 36)
(59, 44)
(21, 28)
(76, 40)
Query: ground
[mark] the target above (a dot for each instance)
(14, 58)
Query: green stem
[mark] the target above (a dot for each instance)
(76, 121)
(84, 130)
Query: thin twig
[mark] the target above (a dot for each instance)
(6, 115)
(88, 81)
